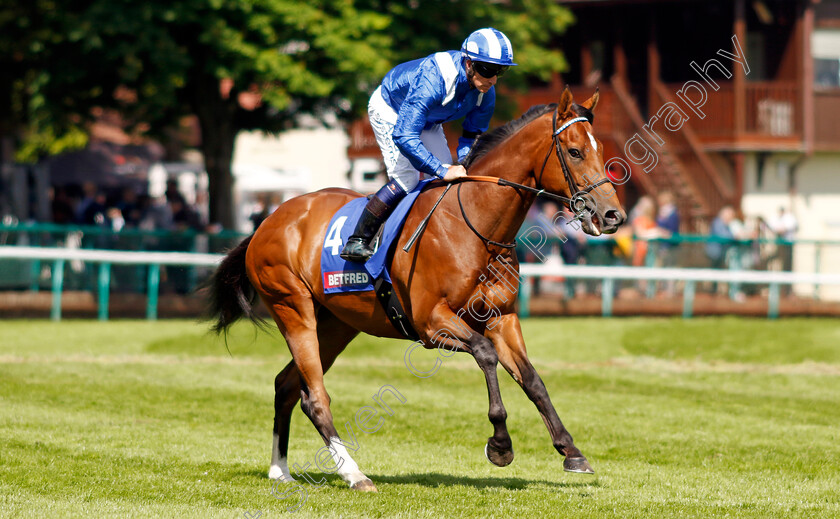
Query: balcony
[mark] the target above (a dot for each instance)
(771, 111)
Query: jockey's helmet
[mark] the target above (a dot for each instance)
(489, 46)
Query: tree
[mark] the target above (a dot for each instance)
(188, 57)
(312, 57)
(420, 27)
(194, 57)
(32, 38)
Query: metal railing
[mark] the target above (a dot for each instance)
(607, 274)
(34, 276)
(105, 259)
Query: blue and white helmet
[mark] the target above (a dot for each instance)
(488, 45)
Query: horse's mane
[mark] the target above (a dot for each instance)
(487, 141)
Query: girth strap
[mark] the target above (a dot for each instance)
(393, 309)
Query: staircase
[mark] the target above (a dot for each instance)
(699, 186)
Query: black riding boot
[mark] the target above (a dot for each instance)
(375, 212)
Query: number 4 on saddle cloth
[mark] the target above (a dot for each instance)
(340, 275)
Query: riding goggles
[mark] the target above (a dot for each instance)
(488, 70)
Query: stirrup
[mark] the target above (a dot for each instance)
(356, 250)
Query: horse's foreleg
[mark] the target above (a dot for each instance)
(510, 346)
(499, 449)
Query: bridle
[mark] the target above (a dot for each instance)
(571, 203)
(567, 173)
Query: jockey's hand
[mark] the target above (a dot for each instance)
(456, 171)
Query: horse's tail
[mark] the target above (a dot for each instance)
(231, 294)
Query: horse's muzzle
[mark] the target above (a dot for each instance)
(612, 220)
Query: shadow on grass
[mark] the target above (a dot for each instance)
(436, 479)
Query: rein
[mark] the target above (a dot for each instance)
(473, 229)
(571, 203)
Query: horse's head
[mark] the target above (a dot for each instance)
(578, 171)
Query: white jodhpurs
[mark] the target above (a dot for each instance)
(382, 120)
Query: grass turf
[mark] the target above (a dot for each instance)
(707, 417)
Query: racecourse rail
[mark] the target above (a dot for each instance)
(607, 275)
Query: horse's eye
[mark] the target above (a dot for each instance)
(574, 152)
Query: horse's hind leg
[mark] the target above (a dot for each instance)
(286, 395)
(333, 337)
(507, 337)
(444, 324)
(296, 319)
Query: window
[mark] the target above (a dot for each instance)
(827, 72)
(825, 48)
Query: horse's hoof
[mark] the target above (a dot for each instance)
(579, 465)
(498, 457)
(365, 485)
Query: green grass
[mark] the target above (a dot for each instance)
(707, 417)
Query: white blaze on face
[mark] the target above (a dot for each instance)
(593, 141)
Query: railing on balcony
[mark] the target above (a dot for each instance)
(772, 112)
(827, 120)
(773, 109)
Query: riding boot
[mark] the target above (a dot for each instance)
(374, 214)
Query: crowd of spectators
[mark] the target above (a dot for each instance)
(91, 205)
(164, 223)
(651, 237)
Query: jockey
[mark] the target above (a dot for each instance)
(406, 112)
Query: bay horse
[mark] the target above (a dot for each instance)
(435, 281)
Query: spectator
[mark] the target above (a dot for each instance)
(668, 224)
(572, 249)
(721, 240)
(739, 256)
(157, 214)
(172, 192)
(722, 236)
(644, 228)
(95, 211)
(524, 253)
(260, 211)
(130, 208)
(89, 191)
(668, 218)
(784, 226)
(184, 218)
(115, 219)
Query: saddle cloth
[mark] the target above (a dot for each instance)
(340, 275)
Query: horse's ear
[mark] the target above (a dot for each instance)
(565, 101)
(590, 103)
